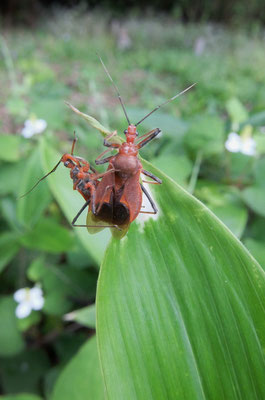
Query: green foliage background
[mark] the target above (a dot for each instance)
(150, 60)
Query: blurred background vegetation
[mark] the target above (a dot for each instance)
(47, 56)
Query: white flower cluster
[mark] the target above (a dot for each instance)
(28, 299)
(33, 127)
(240, 144)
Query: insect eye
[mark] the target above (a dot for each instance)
(126, 131)
(66, 163)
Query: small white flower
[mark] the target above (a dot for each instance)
(248, 146)
(33, 126)
(241, 144)
(28, 299)
(233, 143)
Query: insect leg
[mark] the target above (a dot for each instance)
(41, 179)
(78, 159)
(73, 145)
(150, 136)
(80, 212)
(112, 145)
(97, 176)
(150, 201)
(103, 161)
(139, 139)
(98, 226)
(150, 175)
(90, 226)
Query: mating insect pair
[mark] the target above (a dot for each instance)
(114, 197)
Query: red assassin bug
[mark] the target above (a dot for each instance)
(84, 182)
(119, 194)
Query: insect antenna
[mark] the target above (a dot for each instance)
(41, 179)
(166, 102)
(116, 89)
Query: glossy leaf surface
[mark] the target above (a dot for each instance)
(181, 307)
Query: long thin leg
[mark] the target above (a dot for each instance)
(90, 226)
(103, 161)
(101, 201)
(151, 136)
(139, 139)
(98, 226)
(80, 212)
(112, 145)
(98, 159)
(97, 176)
(150, 201)
(41, 179)
(73, 145)
(150, 175)
(78, 159)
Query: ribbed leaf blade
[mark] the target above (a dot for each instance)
(181, 308)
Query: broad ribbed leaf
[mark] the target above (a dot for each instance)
(71, 201)
(181, 308)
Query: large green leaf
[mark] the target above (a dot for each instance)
(81, 379)
(181, 307)
(71, 201)
(257, 249)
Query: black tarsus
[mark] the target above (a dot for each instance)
(80, 212)
(150, 201)
(93, 169)
(150, 175)
(149, 138)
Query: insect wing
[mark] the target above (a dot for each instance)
(92, 221)
(105, 188)
(132, 195)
